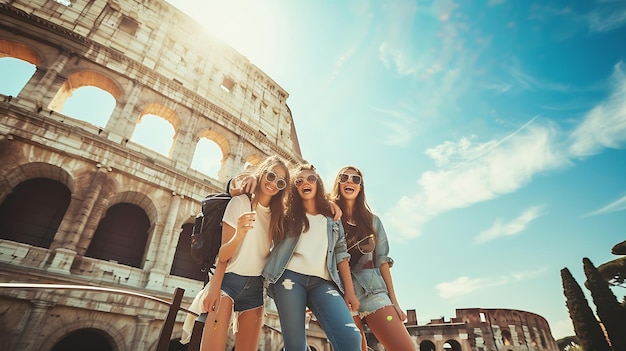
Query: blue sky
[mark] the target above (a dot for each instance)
(491, 134)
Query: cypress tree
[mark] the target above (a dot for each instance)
(586, 325)
(610, 312)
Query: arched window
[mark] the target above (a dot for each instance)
(154, 132)
(84, 339)
(452, 345)
(15, 74)
(507, 340)
(32, 213)
(207, 158)
(427, 345)
(121, 235)
(90, 104)
(184, 265)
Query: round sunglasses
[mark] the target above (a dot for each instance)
(311, 179)
(344, 177)
(273, 177)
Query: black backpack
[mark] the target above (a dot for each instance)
(206, 237)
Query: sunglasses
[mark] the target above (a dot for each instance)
(344, 177)
(273, 177)
(365, 245)
(311, 179)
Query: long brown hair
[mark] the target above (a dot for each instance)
(277, 202)
(297, 221)
(361, 213)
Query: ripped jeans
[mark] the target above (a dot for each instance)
(293, 292)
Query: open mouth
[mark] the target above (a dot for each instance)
(306, 190)
(348, 190)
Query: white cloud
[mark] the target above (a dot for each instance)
(463, 286)
(605, 125)
(615, 206)
(399, 128)
(487, 170)
(516, 226)
(607, 20)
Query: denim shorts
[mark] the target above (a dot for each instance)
(369, 304)
(246, 292)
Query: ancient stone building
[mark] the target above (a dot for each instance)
(481, 329)
(86, 203)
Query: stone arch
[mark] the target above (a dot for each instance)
(453, 344)
(139, 199)
(122, 235)
(84, 78)
(218, 138)
(162, 111)
(33, 212)
(507, 339)
(35, 170)
(116, 338)
(20, 51)
(427, 345)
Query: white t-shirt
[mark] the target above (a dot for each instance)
(253, 251)
(309, 256)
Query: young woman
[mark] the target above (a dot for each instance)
(310, 268)
(250, 224)
(370, 264)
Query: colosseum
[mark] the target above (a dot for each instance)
(93, 221)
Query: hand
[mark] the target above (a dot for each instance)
(336, 211)
(400, 312)
(352, 301)
(211, 300)
(245, 222)
(248, 185)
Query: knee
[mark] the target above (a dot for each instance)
(353, 334)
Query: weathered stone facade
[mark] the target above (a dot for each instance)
(482, 329)
(151, 59)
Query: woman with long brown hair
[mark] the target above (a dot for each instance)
(370, 264)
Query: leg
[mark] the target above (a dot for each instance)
(290, 298)
(326, 302)
(250, 323)
(215, 333)
(389, 329)
(359, 324)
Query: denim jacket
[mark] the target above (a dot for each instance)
(370, 279)
(281, 254)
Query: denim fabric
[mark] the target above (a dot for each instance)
(293, 292)
(246, 292)
(282, 252)
(370, 279)
(370, 303)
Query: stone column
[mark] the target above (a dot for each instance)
(139, 337)
(86, 208)
(233, 164)
(67, 224)
(29, 335)
(33, 84)
(47, 81)
(161, 265)
(123, 120)
(183, 149)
